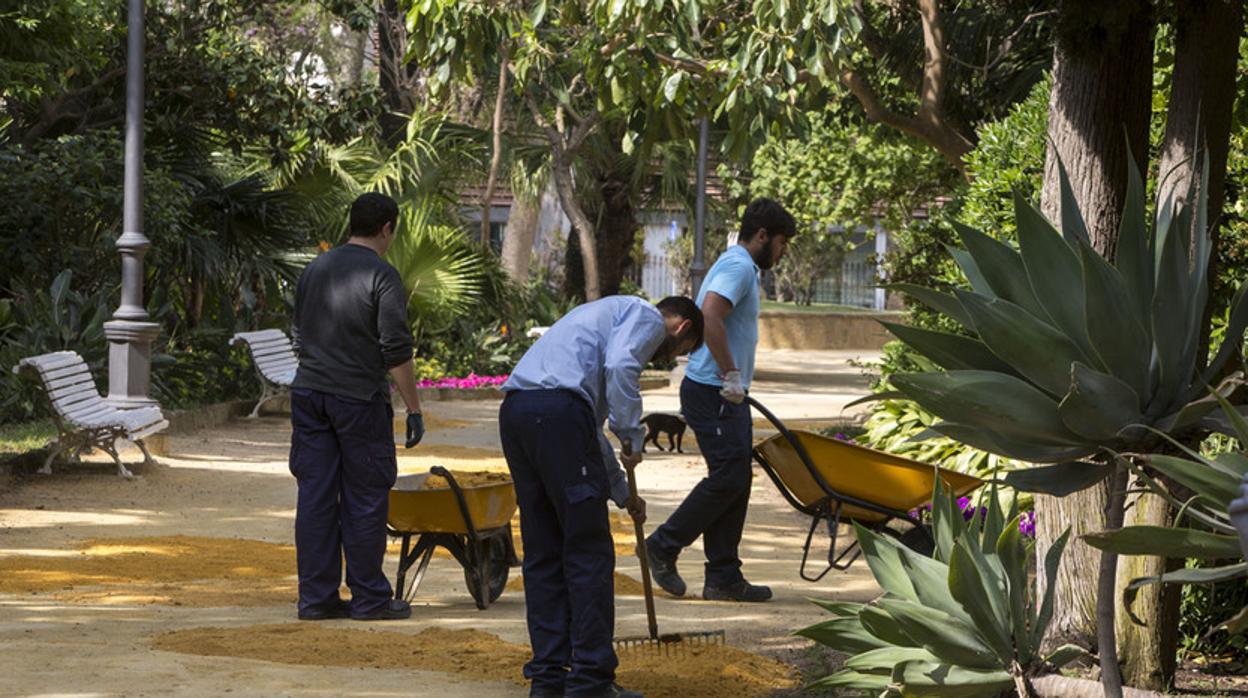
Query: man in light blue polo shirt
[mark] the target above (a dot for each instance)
(711, 400)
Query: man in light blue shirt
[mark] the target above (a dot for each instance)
(711, 400)
(584, 371)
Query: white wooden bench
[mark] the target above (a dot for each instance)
(275, 362)
(83, 419)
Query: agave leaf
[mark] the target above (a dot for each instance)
(1014, 447)
(1236, 623)
(841, 609)
(1237, 420)
(994, 401)
(1134, 256)
(967, 264)
(1014, 557)
(1057, 480)
(1198, 477)
(1099, 406)
(843, 635)
(940, 302)
(974, 586)
(1053, 269)
(1201, 575)
(885, 563)
(1074, 230)
(1036, 349)
(1232, 463)
(1235, 326)
(1173, 329)
(1002, 267)
(1114, 324)
(931, 582)
(883, 626)
(1165, 542)
(947, 522)
(943, 635)
(853, 680)
(920, 678)
(884, 659)
(1052, 559)
(1065, 654)
(950, 351)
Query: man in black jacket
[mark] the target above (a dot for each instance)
(350, 330)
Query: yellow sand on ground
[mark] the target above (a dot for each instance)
(621, 531)
(176, 570)
(624, 585)
(432, 423)
(696, 672)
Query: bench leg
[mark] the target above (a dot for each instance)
(111, 449)
(147, 455)
(57, 449)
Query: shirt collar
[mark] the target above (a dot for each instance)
(741, 249)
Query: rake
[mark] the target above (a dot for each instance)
(666, 644)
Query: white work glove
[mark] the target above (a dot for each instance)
(733, 391)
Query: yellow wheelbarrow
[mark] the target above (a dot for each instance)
(836, 482)
(472, 523)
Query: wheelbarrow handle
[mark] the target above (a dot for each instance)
(640, 533)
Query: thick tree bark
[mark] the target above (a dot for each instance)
(496, 155)
(1100, 100)
(1148, 630)
(518, 239)
(584, 229)
(1202, 96)
(395, 72)
(616, 233)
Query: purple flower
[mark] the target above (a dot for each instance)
(1027, 524)
(841, 437)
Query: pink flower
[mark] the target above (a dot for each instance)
(470, 382)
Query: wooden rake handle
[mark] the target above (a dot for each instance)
(640, 534)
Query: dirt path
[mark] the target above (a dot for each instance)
(64, 631)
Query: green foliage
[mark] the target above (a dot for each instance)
(967, 621)
(1067, 353)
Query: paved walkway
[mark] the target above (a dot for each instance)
(233, 482)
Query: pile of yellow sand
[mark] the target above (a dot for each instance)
(175, 570)
(424, 456)
(624, 585)
(466, 478)
(695, 672)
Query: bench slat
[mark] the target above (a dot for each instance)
(52, 362)
(270, 348)
(65, 371)
(93, 414)
(68, 390)
(77, 402)
(284, 350)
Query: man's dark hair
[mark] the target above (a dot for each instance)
(765, 214)
(681, 306)
(371, 212)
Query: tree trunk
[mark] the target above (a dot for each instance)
(496, 155)
(355, 66)
(1102, 85)
(519, 236)
(1148, 629)
(562, 173)
(1100, 101)
(1202, 96)
(395, 72)
(616, 234)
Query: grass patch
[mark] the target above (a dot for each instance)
(813, 308)
(26, 437)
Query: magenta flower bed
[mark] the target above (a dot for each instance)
(471, 381)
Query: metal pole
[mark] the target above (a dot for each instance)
(698, 271)
(130, 333)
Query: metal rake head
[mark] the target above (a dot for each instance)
(672, 644)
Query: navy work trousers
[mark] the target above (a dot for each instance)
(716, 507)
(342, 455)
(550, 440)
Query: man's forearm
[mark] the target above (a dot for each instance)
(405, 379)
(716, 337)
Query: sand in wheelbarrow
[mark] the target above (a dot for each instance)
(466, 478)
(169, 570)
(697, 672)
(624, 585)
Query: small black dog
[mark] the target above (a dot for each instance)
(671, 424)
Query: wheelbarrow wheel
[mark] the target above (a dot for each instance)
(498, 571)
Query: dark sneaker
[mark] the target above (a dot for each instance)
(615, 691)
(394, 610)
(741, 591)
(663, 571)
(337, 609)
(536, 692)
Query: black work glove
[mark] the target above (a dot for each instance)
(415, 429)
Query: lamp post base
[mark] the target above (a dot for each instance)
(130, 362)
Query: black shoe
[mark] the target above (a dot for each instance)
(741, 591)
(663, 571)
(394, 610)
(335, 610)
(536, 692)
(616, 691)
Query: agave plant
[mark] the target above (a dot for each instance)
(965, 622)
(1068, 353)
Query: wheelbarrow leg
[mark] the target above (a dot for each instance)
(404, 563)
(420, 572)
